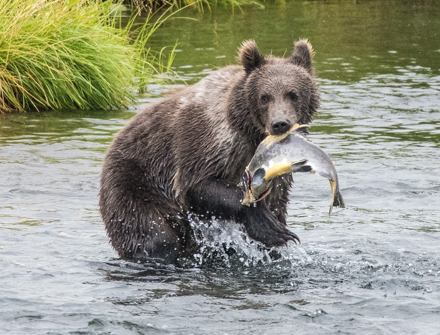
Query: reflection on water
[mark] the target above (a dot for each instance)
(372, 268)
(352, 39)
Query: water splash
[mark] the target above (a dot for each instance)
(226, 243)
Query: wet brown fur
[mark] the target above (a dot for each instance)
(186, 153)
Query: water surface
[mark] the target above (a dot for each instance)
(372, 268)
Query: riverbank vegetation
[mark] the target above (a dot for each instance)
(201, 5)
(58, 54)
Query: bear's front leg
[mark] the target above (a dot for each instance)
(222, 200)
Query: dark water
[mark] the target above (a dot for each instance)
(372, 268)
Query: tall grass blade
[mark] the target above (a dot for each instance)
(71, 54)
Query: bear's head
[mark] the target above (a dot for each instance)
(279, 91)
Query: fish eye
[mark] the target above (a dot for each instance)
(292, 96)
(265, 98)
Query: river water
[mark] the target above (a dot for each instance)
(371, 268)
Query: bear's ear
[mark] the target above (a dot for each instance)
(249, 56)
(302, 55)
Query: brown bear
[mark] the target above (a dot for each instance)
(185, 156)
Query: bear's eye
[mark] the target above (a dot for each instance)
(292, 96)
(265, 98)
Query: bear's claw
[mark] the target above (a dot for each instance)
(264, 227)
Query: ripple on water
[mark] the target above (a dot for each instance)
(368, 280)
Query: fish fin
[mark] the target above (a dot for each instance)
(272, 139)
(278, 170)
(302, 129)
(325, 175)
(296, 166)
(246, 200)
(299, 127)
(283, 168)
(304, 168)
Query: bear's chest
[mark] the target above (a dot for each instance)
(238, 157)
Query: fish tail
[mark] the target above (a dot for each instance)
(338, 201)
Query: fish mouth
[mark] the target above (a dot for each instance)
(246, 181)
(246, 186)
(252, 183)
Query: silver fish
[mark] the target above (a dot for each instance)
(282, 154)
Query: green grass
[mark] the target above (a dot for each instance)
(200, 5)
(72, 54)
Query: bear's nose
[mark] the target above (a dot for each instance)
(280, 126)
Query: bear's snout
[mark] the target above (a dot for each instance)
(280, 125)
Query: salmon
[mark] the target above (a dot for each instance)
(290, 152)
